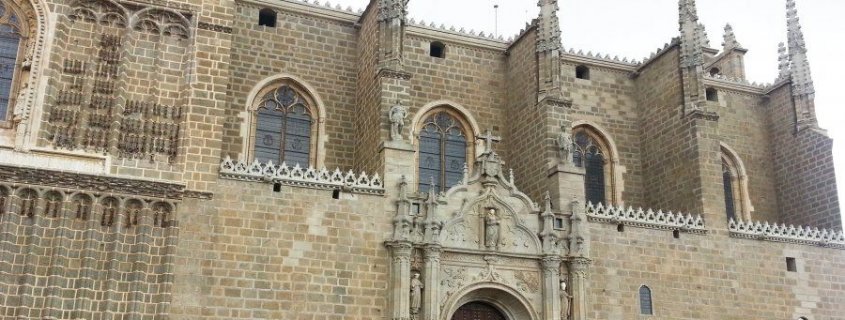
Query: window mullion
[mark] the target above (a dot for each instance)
(284, 137)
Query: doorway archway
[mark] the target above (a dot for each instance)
(508, 303)
(478, 311)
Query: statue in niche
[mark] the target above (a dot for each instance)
(491, 229)
(416, 295)
(564, 145)
(397, 115)
(565, 301)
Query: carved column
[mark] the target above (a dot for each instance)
(431, 293)
(400, 279)
(578, 270)
(551, 286)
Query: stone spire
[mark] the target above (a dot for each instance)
(548, 26)
(693, 36)
(730, 39)
(783, 62)
(802, 81)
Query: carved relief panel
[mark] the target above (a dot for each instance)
(120, 87)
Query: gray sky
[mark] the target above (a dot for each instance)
(634, 29)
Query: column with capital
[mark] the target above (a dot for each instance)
(578, 270)
(400, 279)
(551, 285)
(431, 295)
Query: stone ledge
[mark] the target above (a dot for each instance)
(787, 234)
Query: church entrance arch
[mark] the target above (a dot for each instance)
(478, 311)
(488, 301)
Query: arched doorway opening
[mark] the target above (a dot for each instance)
(478, 311)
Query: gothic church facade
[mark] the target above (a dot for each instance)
(175, 159)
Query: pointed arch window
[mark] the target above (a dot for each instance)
(444, 147)
(283, 128)
(12, 44)
(646, 307)
(592, 153)
(735, 186)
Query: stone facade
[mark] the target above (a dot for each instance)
(130, 188)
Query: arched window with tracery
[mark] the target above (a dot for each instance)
(110, 206)
(444, 141)
(284, 129)
(4, 200)
(132, 213)
(53, 204)
(12, 44)
(592, 153)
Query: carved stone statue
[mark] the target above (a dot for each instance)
(564, 145)
(491, 229)
(397, 116)
(416, 295)
(565, 302)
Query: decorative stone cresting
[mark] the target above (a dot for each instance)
(790, 234)
(458, 31)
(301, 177)
(604, 57)
(646, 218)
(737, 80)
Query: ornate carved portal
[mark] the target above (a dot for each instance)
(484, 250)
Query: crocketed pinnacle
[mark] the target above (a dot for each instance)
(693, 36)
(783, 62)
(802, 80)
(548, 27)
(730, 41)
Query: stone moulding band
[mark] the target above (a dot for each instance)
(301, 177)
(646, 218)
(789, 234)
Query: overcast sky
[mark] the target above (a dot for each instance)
(634, 29)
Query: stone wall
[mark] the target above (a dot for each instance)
(711, 276)
(293, 254)
(470, 76)
(527, 158)
(290, 49)
(670, 167)
(743, 128)
(806, 181)
(607, 101)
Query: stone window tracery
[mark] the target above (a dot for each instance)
(592, 153)
(13, 38)
(284, 129)
(443, 142)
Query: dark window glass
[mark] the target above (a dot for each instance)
(582, 72)
(589, 156)
(283, 131)
(442, 153)
(437, 50)
(730, 207)
(267, 18)
(9, 43)
(711, 94)
(645, 301)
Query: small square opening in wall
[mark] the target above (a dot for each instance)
(620, 228)
(676, 234)
(277, 187)
(791, 266)
(336, 194)
(559, 223)
(437, 49)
